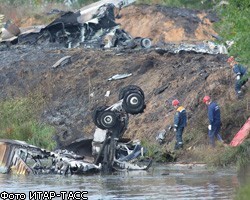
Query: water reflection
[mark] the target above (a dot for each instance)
(160, 182)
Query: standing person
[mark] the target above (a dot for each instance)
(241, 75)
(214, 120)
(180, 121)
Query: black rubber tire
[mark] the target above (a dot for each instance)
(133, 103)
(96, 114)
(108, 119)
(146, 43)
(132, 88)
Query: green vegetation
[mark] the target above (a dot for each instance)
(157, 152)
(224, 156)
(27, 2)
(233, 116)
(235, 26)
(18, 120)
(44, 2)
(192, 4)
(243, 193)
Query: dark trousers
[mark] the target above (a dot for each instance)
(215, 132)
(179, 133)
(239, 83)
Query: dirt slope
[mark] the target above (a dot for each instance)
(163, 24)
(75, 89)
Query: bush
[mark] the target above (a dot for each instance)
(19, 121)
(224, 156)
(234, 26)
(157, 152)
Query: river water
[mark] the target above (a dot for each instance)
(159, 182)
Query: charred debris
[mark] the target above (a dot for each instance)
(77, 29)
(95, 27)
(106, 152)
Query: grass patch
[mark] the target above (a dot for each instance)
(192, 4)
(19, 121)
(30, 13)
(243, 193)
(234, 115)
(157, 152)
(224, 156)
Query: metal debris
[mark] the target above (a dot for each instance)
(93, 26)
(107, 93)
(63, 61)
(18, 157)
(119, 76)
(111, 122)
(205, 47)
(161, 135)
(1, 24)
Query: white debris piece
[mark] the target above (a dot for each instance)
(107, 93)
(99, 135)
(1, 18)
(63, 61)
(161, 136)
(205, 47)
(119, 76)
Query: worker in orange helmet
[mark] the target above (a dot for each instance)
(240, 74)
(180, 122)
(214, 120)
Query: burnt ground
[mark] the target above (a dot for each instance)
(72, 91)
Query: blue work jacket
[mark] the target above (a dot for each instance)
(214, 114)
(180, 117)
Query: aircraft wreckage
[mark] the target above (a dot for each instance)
(89, 27)
(94, 26)
(106, 152)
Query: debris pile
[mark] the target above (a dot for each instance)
(74, 29)
(107, 151)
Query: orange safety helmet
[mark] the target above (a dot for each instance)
(175, 102)
(230, 59)
(206, 99)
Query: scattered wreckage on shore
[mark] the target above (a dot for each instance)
(92, 26)
(106, 152)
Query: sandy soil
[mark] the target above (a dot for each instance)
(163, 24)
